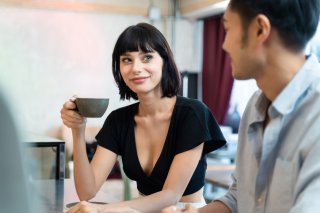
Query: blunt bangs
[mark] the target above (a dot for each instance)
(138, 39)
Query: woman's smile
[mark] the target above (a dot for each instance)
(139, 80)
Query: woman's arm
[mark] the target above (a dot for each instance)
(88, 177)
(180, 173)
(215, 206)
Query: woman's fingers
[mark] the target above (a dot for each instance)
(190, 209)
(69, 116)
(70, 105)
(120, 210)
(73, 98)
(174, 209)
(170, 209)
(84, 207)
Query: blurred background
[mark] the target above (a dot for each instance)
(51, 50)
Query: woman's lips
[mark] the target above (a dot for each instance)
(139, 80)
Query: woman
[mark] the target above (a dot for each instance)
(162, 139)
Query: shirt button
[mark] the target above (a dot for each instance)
(260, 200)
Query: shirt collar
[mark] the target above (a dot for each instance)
(289, 96)
(261, 106)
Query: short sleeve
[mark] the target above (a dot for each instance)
(198, 125)
(107, 136)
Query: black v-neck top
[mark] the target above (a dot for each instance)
(191, 124)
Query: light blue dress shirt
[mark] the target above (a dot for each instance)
(278, 169)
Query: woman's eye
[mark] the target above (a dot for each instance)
(125, 60)
(147, 58)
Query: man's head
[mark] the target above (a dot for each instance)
(257, 29)
(295, 20)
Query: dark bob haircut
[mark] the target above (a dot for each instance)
(295, 20)
(146, 38)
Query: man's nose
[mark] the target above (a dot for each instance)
(224, 45)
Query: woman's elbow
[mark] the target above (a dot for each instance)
(86, 195)
(173, 196)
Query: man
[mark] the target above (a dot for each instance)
(278, 159)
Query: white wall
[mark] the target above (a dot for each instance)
(46, 56)
(241, 93)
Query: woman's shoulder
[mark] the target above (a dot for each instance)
(190, 104)
(188, 107)
(128, 110)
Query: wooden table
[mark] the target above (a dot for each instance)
(219, 175)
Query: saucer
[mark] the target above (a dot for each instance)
(70, 205)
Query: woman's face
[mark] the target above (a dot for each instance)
(142, 72)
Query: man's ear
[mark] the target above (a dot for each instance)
(262, 28)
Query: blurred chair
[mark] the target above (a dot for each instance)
(15, 187)
(66, 135)
(127, 192)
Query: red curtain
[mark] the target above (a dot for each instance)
(217, 78)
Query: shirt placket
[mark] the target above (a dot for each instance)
(267, 161)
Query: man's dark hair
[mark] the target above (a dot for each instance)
(146, 38)
(295, 20)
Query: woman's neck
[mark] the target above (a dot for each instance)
(152, 106)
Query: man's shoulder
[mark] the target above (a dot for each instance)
(256, 104)
(255, 98)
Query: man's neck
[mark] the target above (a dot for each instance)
(280, 68)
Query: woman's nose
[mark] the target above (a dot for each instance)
(137, 66)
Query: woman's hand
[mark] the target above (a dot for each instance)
(85, 207)
(120, 210)
(70, 117)
(173, 209)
